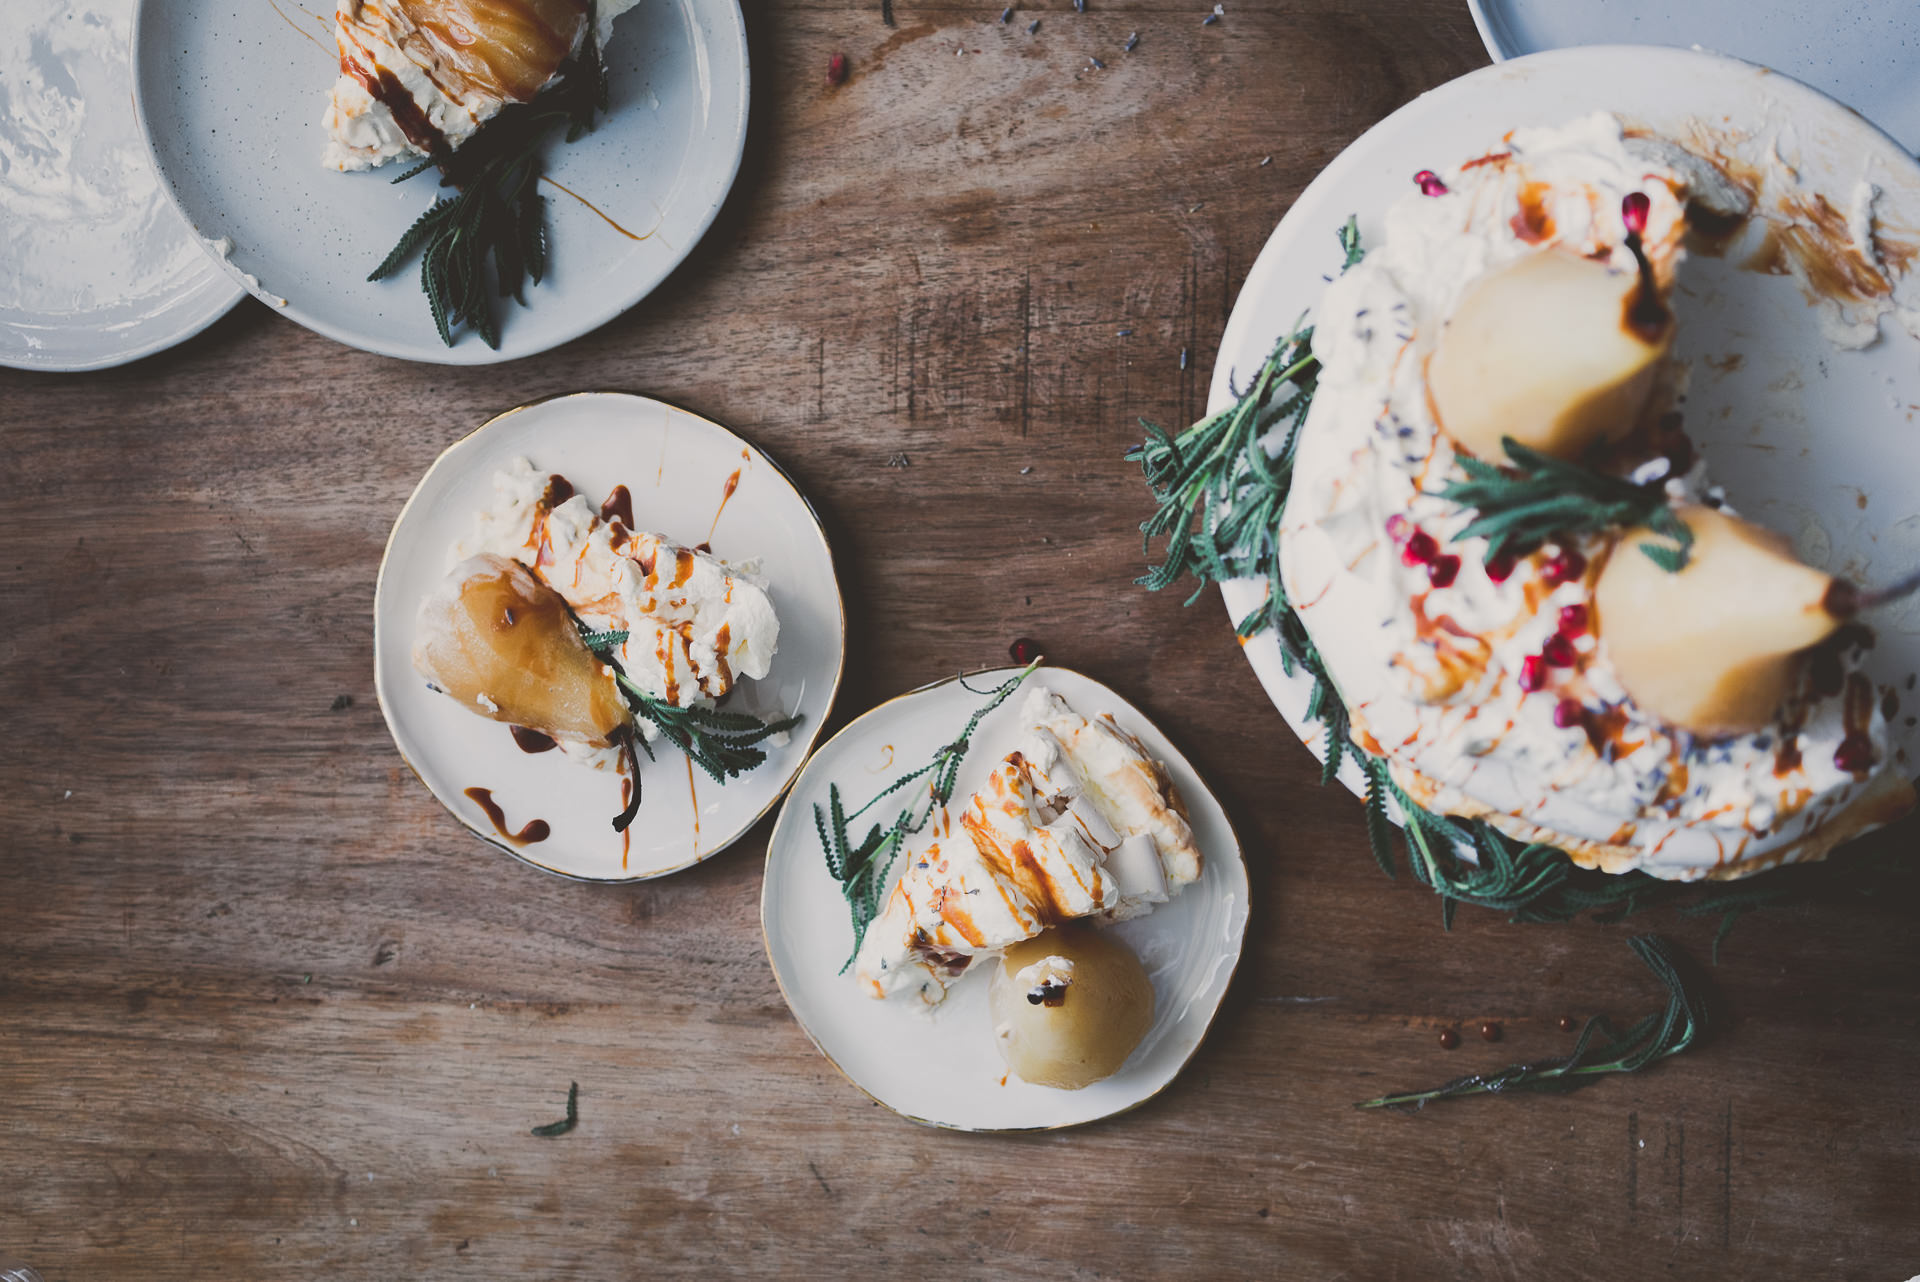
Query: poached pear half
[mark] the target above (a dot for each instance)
(1715, 647)
(504, 645)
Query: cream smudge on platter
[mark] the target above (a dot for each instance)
(1489, 693)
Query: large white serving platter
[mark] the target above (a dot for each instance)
(230, 95)
(1862, 52)
(1821, 444)
(677, 466)
(96, 266)
(941, 1067)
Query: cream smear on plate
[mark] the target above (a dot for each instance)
(84, 230)
(1430, 672)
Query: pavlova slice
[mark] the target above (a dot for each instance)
(1078, 821)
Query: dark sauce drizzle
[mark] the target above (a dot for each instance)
(535, 829)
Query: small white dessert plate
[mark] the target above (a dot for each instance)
(96, 267)
(1813, 441)
(230, 95)
(1861, 53)
(940, 1066)
(693, 481)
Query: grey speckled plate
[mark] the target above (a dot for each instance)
(230, 95)
(1861, 53)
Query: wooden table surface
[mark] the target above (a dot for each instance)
(268, 1011)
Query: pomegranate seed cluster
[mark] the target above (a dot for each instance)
(1566, 565)
(1417, 547)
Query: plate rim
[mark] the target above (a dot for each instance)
(1236, 594)
(1239, 954)
(472, 353)
(806, 754)
(201, 320)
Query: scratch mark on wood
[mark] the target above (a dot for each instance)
(1726, 1179)
(1026, 349)
(1678, 1147)
(820, 381)
(824, 1186)
(1633, 1165)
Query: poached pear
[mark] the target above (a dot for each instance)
(1069, 1006)
(1713, 648)
(1544, 350)
(503, 644)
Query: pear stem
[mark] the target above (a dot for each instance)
(1867, 599)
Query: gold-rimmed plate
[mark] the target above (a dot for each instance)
(941, 1067)
(690, 479)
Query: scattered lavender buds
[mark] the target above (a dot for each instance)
(1183, 358)
(1268, 160)
(1006, 15)
(1079, 6)
(1097, 64)
(1124, 333)
(1210, 19)
(1133, 38)
(1033, 26)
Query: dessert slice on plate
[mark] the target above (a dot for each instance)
(1078, 821)
(1024, 983)
(420, 77)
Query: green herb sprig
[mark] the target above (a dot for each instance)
(1222, 488)
(1221, 484)
(1601, 1049)
(553, 1130)
(498, 211)
(1538, 497)
(720, 743)
(862, 867)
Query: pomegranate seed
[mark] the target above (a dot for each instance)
(1420, 548)
(1448, 1039)
(1490, 1031)
(1565, 568)
(1398, 528)
(1558, 651)
(1634, 210)
(1023, 650)
(1500, 567)
(1429, 183)
(1573, 621)
(1568, 1023)
(837, 69)
(1442, 569)
(1854, 755)
(1568, 713)
(1533, 673)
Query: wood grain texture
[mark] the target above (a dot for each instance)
(266, 1011)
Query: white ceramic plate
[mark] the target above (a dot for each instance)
(677, 466)
(231, 92)
(96, 268)
(1862, 52)
(941, 1066)
(1817, 443)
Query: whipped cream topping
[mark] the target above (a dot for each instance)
(696, 626)
(1077, 821)
(1430, 674)
(379, 43)
(1051, 969)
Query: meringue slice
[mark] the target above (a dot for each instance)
(1076, 822)
(696, 626)
(421, 76)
